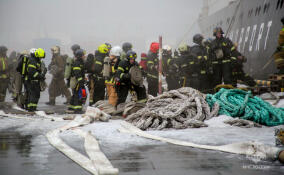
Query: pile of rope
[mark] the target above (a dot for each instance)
(179, 109)
(242, 104)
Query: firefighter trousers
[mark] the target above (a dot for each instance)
(56, 88)
(76, 103)
(3, 88)
(222, 72)
(33, 94)
(122, 92)
(99, 89)
(172, 82)
(153, 86)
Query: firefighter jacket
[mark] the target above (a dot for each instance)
(34, 72)
(199, 62)
(152, 65)
(78, 72)
(222, 49)
(98, 64)
(3, 67)
(169, 64)
(122, 74)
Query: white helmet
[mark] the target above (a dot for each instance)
(32, 50)
(115, 51)
(167, 48)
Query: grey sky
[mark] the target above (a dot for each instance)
(92, 22)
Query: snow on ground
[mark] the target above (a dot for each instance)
(218, 133)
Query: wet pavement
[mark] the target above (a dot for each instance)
(177, 160)
(21, 154)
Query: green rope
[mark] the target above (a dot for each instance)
(242, 104)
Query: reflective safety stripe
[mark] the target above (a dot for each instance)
(150, 62)
(152, 76)
(205, 57)
(224, 44)
(24, 66)
(79, 79)
(226, 61)
(3, 63)
(192, 62)
(36, 74)
(234, 58)
(120, 68)
(75, 107)
(184, 65)
(76, 68)
(98, 62)
(199, 57)
(143, 58)
(32, 66)
(203, 72)
(142, 101)
(121, 75)
(233, 48)
(3, 76)
(215, 62)
(111, 81)
(169, 60)
(32, 105)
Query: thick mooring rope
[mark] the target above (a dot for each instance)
(181, 108)
(242, 104)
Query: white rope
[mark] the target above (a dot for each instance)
(245, 148)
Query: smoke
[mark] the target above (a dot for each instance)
(41, 23)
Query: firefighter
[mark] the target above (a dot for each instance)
(123, 79)
(170, 68)
(125, 48)
(12, 64)
(3, 73)
(77, 82)
(238, 72)
(57, 85)
(183, 62)
(279, 54)
(110, 68)
(152, 69)
(143, 61)
(201, 64)
(97, 81)
(222, 48)
(69, 62)
(34, 76)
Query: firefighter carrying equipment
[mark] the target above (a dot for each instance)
(242, 104)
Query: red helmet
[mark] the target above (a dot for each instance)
(154, 47)
(143, 55)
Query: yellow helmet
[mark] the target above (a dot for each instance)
(183, 47)
(103, 48)
(39, 53)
